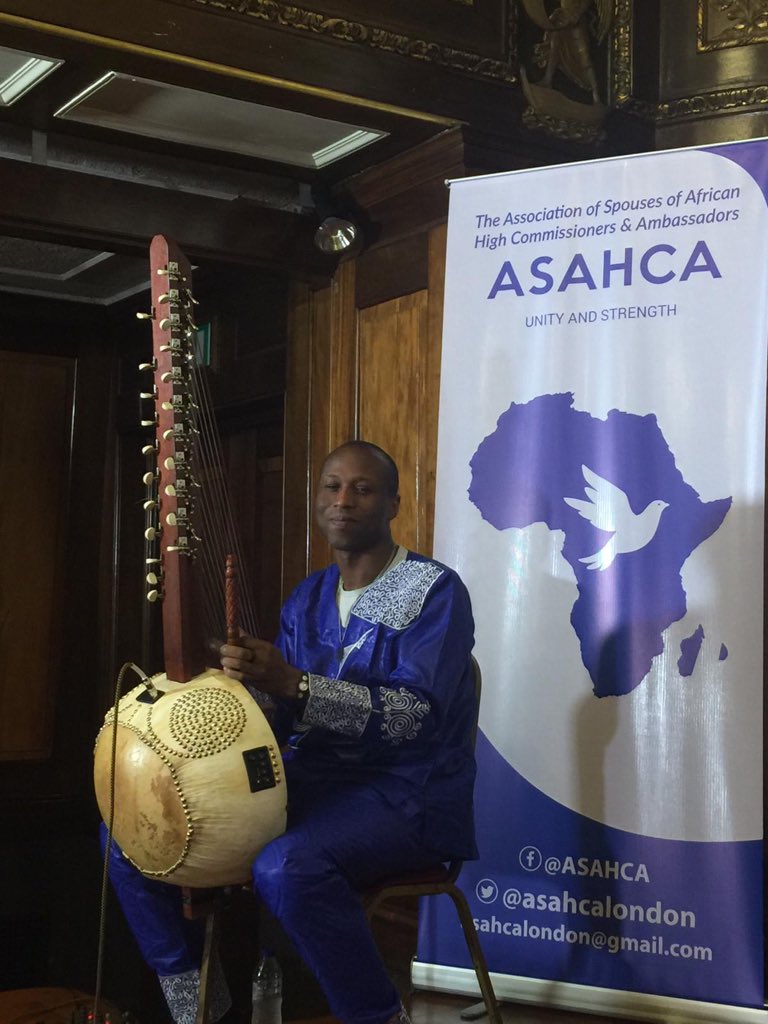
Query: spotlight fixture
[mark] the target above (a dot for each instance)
(343, 230)
(336, 235)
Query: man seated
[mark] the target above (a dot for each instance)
(372, 679)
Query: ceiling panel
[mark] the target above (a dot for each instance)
(21, 71)
(46, 269)
(175, 114)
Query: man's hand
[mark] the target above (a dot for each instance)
(258, 662)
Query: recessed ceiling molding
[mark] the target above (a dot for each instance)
(350, 144)
(86, 299)
(159, 170)
(82, 96)
(67, 275)
(22, 72)
(87, 264)
(189, 117)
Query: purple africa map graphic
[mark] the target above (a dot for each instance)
(548, 463)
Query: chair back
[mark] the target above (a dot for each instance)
(478, 677)
(455, 866)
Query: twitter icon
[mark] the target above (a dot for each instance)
(486, 890)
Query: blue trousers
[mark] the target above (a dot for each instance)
(340, 838)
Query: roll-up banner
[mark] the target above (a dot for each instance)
(600, 489)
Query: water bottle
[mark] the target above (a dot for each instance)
(267, 998)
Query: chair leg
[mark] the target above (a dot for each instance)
(478, 958)
(206, 967)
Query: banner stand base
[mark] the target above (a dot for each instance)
(562, 995)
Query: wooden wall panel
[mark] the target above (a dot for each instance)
(296, 513)
(393, 338)
(247, 312)
(344, 358)
(36, 413)
(319, 404)
(436, 277)
(255, 487)
(333, 385)
(374, 373)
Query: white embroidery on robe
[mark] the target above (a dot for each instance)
(402, 712)
(337, 705)
(397, 598)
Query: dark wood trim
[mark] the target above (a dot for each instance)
(408, 194)
(392, 270)
(320, 413)
(66, 206)
(344, 423)
(298, 69)
(438, 238)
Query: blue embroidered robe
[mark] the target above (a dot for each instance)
(392, 696)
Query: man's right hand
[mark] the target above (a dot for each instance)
(260, 663)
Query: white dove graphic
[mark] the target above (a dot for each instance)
(608, 509)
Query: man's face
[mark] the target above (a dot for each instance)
(353, 507)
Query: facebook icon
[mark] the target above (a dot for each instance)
(530, 858)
